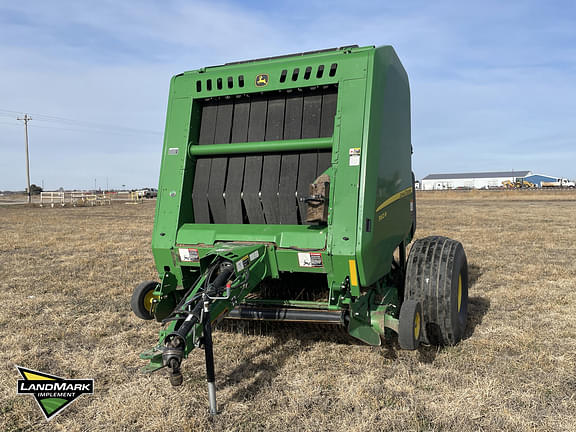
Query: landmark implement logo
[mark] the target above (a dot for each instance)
(52, 393)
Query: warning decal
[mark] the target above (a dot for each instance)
(312, 259)
(189, 255)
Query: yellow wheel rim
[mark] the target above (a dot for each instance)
(149, 300)
(459, 292)
(417, 326)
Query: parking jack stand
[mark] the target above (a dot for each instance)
(209, 353)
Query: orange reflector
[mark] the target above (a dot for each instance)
(353, 274)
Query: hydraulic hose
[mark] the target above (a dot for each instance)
(193, 317)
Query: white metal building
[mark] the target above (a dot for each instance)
(482, 180)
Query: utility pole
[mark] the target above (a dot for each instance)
(26, 119)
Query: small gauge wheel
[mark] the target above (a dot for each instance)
(410, 325)
(143, 299)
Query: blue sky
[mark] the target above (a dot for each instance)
(493, 82)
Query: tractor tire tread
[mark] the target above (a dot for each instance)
(433, 267)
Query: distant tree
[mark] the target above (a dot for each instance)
(35, 190)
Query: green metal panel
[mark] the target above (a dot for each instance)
(286, 236)
(346, 176)
(171, 186)
(185, 84)
(384, 206)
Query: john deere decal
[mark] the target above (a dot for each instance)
(52, 393)
(262, 80)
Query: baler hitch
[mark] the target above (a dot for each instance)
(198, 312)
(175, 347)
(232, 272)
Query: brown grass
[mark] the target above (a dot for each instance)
(66, 276)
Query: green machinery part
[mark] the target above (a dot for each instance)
(293, 169)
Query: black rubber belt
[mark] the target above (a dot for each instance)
(329, 99)
(308, 160)
(203, 165)
(253, 166)
(235, 176)
(271, 167)
(219, 164)
(289, 164)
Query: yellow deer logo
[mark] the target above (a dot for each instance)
(262, 80)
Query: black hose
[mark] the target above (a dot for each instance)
(220, 281)
(187, 325)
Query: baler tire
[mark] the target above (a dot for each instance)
(410, 325)
(141, 298)
(437, 277)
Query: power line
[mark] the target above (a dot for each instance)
(96, 126)
(85, 130)
(104, 131)
(9, 123)
(12, 112)
(109, 128)
(7, 115)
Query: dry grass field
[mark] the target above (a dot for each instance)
(66, 276)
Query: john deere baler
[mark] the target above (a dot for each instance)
(286, 194)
